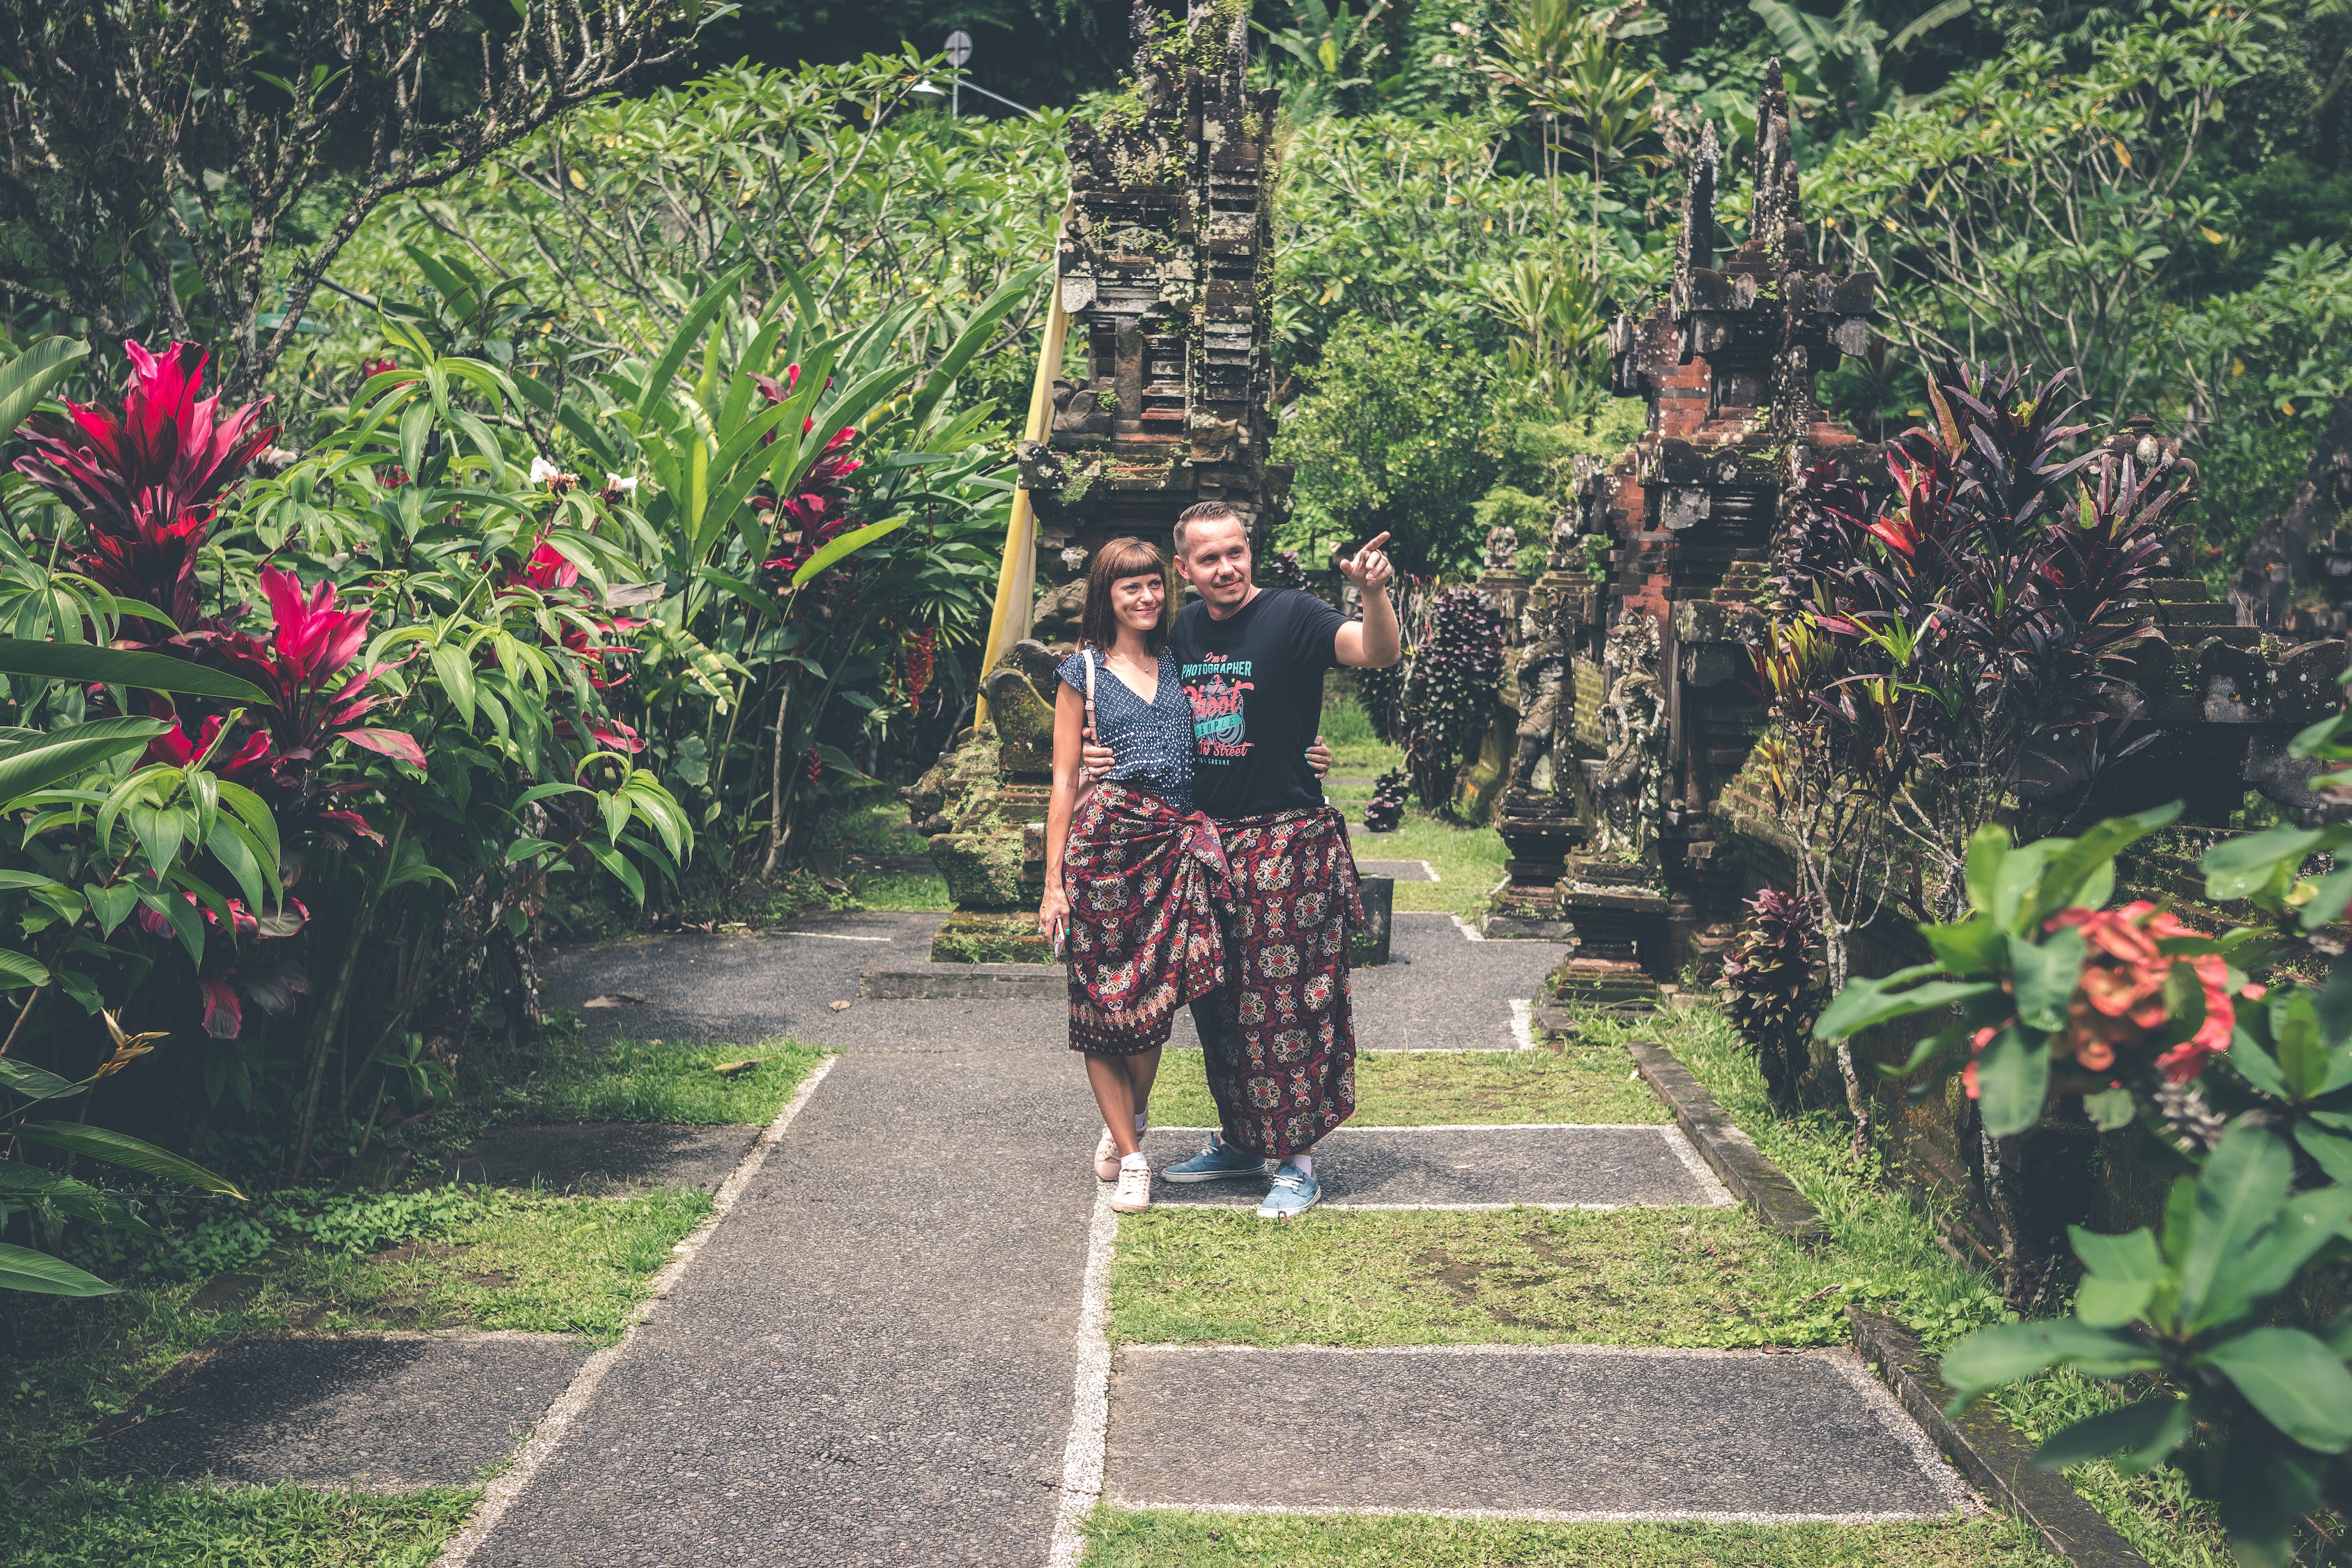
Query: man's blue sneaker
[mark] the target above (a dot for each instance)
(1292, 1194)
(1217, 1161)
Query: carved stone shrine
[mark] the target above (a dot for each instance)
(1163, 267)
(1632, 827)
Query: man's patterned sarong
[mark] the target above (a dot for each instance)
(1279, 1039)
(1147, 884)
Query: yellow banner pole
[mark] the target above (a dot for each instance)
(1017, 580)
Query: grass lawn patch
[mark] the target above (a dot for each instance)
(1580, 1083)
(1468, 860)
(1683, 1278)
(91, 1524)
(1894, 1236)
(529, 1261)
(897, 890)
(662, 1080)
(1167, 1538)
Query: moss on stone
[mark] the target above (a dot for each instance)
(975, 938)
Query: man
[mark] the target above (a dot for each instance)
(1280, 1044)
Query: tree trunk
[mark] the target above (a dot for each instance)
(776, 786)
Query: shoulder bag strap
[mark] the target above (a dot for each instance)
(1085, 656)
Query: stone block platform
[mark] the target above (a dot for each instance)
(380, 1413)
(1470, 1167)
(605, 1158)
(1541, 1432)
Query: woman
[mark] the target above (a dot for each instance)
(1133, 875)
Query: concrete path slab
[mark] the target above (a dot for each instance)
(872, 1360)
(737, 988)
(1470, 1167)
(390, 1413)
(1565, 1433)
(604, 1158)
(1401, 871)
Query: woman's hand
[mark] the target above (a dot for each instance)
(1053, 917)
(1098, 758)
(1319, 757)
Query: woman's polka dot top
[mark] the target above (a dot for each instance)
(1152, 740)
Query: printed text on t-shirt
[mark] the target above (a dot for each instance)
(1218, 688)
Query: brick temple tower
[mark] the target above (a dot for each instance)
(1655, 714)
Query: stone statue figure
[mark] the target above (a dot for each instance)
(1502, 551)
(1547, 706)
(1633, 735)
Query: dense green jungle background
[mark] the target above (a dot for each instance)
(526, 345)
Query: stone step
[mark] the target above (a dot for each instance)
(1469, 1167)
(1399, 870)
(380, 1411)
(1564, 1433)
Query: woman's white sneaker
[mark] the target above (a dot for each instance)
(1133, 1193)
(1107, 1158)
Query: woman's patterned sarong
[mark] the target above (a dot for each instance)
(1279, 1039)
(1147, 884)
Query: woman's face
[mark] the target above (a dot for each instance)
(1136, 601)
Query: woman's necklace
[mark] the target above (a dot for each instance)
(1142, 674)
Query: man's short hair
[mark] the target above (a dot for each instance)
(1205, 511)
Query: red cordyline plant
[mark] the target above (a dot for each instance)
(147, 479)
(303, 667)
(1976, 613)
(818, 508)
(1775, 985)
(318, 698)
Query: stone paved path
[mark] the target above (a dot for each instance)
(892, 1350)
(870, 1361)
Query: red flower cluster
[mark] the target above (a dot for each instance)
(550, 571)
(918, 652)
(147, 480)
(2118, 1005)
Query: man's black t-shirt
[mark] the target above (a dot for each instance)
(1255, 683)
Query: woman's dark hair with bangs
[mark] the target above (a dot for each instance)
(1123, 558)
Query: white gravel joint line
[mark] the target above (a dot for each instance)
(511, 1483)
(1082, 1456)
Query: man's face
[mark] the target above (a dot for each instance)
(1216, 561)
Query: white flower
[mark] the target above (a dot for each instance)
(541, 470)
(627, 487)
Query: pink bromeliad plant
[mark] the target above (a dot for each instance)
(147, 480)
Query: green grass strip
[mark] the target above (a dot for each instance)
(1683, 1278)
(94, 1524)
(1156, 1538)
(1396, 1089)
(663, 1080)
(533, 1262)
